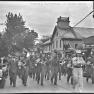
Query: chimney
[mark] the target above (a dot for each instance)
(63, 22)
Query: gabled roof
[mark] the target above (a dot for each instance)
(45, 38)
(47, 42)
(77, 32)
(55, 29)
(70, 33)
(71, 39)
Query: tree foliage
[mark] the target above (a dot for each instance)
(3, 48)
(17, 36)
(29, 40)
(14, 25)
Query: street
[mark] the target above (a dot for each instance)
(33, 87)
(44, 38)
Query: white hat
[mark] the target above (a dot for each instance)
(78, 51)
(38, 60)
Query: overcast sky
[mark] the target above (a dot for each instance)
(42, 16)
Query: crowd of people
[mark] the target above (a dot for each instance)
(45, 66)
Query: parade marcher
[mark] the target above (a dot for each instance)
(69, 71)
(4, 66)
(32, 69)
(19, 64)
(38, 70)
(23, 70)
(59, 65)
(78, 71)
(43, 71)
(47, 68)
(13, 72)
(2, 77)
(1, 71)
(54, 68)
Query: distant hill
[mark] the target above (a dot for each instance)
(89, 40)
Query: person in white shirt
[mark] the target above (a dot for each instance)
(78, 62)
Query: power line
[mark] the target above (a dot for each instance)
(83, 18)
(50, 25)
(74, 25)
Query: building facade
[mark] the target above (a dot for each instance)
(63, 37)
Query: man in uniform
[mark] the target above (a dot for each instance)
(32, 67)
(54, 69)
(69, 70)
(78, 62)
(38, 70)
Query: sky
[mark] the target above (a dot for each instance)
(42, 16)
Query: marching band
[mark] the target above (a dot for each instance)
(50, 66)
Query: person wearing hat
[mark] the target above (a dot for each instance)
(0, 66)
(69, 70)
(1, 71)
(78, 62)
(54, 68)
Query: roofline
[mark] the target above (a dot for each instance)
(88, 43)
(83, 27)
(55, 29)
(46, 44)
(71, 39)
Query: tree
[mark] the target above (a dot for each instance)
(17, 36)
(25, 40)
(3, 48)
(29, 40)
(14, 26)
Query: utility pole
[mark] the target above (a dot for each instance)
(93, 9)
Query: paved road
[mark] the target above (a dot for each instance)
(32, 86)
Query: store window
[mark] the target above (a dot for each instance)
(57, 44)
(57, 34)
(76, 45)
(60, 43)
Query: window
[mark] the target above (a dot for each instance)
(49, 47)
(57, 34)
(60, 43)
(68, 45)
(57, 44)
(76, 45)
(46, 48)
(53, 44)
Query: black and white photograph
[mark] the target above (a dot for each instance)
(46, 46)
